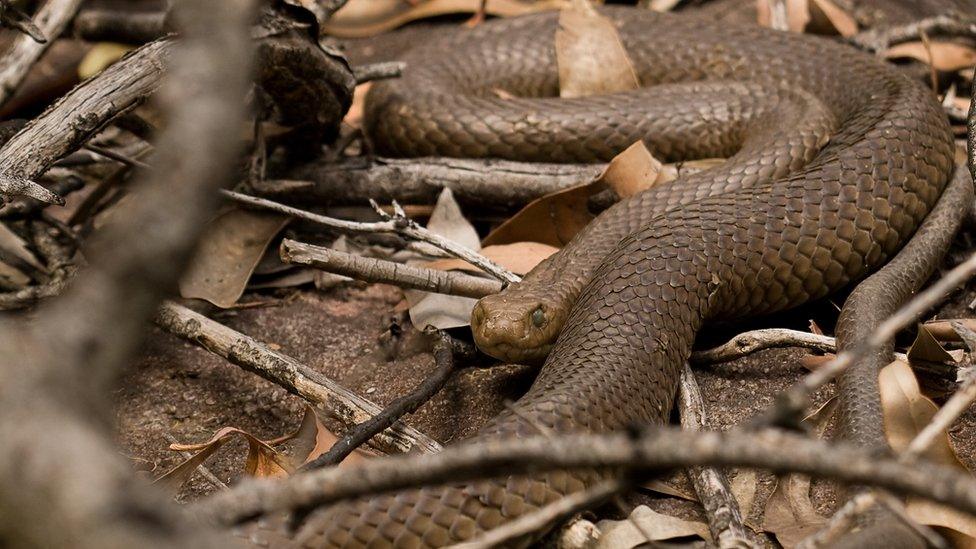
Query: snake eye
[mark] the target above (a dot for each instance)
(538, 317)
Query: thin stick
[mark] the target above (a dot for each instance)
(51, 20)
(369, 269)
(340, 403)
(397, 224)
(711, 485)
(538, 520)
(357, 435)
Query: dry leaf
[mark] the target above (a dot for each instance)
(622, 534)
(228, 253)
(633, 171)
(101, 56)
(354, 116)
(360, 18)
(313, 438)
(553, 219)
(796, 17)
(838, 19)
(906, 412)
(519, 257)
(589, 54)
(927, 348)
(943, 330)
(438, 310)
(789, 514)
(944, 56)
(661, 487)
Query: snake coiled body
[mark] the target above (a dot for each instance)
(834, 160)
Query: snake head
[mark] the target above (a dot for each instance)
(516, 328)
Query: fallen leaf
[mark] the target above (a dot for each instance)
(837, 18)
(438, 310)
(553, 219)
(100, 57)
(943, 56)
(927, 348)
(906, 412)
(789, 513)
(518, 257)
(230, 249)
(313, 438)
(590, 57)
(623, 534)
(360, 18)
(661, 487)
(633, 171)
(943, 330)
(354, 116)
(796, 17)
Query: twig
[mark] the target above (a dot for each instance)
(340, 403)
(769, 338)
(114, 25)
(540, 519)
(407, 404)
(51, 21)
(397, 223)
(378, 71)
(711, 485)
(118, 157)
(12, 17)
(793, 401)
(498, 185)
(652, 452)
(881, 38)
(388, 272)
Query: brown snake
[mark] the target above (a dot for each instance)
(834, 160)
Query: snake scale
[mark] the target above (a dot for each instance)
(834, 160)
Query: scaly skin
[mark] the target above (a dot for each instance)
(836, 159)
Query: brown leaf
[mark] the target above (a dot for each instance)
(176, 477)
(553, 219)
(633, 171)
(354, 116)
(837, 18)
(906, 412)
(927, 348)
(519, 257)
(623, 534)
(589, 54)
(313, 438)
(228, 253)
(944, 56)
(789, 514)
(360, 18)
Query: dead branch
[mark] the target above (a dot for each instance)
(753, 341)
(496, 185)
(338, 402)
(711, 485)
(398, 223)
(652, 452)
(369, 269)
(58, 372)
(878, 39)
(357, 435)
(378, 71)
(77, 116)
(51, 20)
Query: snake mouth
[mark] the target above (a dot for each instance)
(513, 354)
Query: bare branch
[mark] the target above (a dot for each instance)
(387, 272)
(51, 21)
(337, 401)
